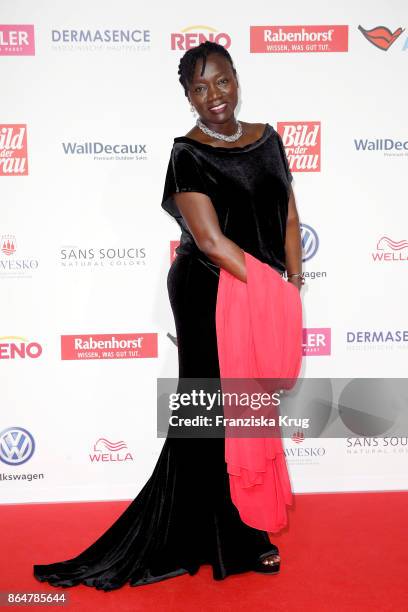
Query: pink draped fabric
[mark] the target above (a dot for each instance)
(259, 335)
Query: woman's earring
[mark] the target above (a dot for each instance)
(193, 110)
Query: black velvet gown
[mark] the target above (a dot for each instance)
(184, 517)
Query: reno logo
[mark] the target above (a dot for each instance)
(390, 250)
(302, 144)
(14, 347)
(17, 40)
(13, 150)
(16, 445)
(316, 341)
(106, 451)
(381, 37)
(298, 39)
(109, 346)
(192, 36)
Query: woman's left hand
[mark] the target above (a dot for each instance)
(297, 281)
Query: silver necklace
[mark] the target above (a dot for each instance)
(213, 134)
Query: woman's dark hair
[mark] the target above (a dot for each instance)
(188, 61)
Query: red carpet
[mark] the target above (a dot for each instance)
(341, 552)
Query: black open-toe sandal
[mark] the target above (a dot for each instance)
(264, 568)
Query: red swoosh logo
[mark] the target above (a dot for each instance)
(381, 36)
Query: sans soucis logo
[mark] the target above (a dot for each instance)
(72, 256)
(316, 341)
(17, 445)
(381, 37)
(113, 452)
(192, 36)
(389, 250)
(13, 150)
(301, 140)
(17, 40)
(17, 347)
(298, 39)
(109, 346)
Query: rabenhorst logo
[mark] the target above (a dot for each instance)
(390, 250)
(298, 39)
(316, 341)
(391, 147)
(302, 144)
(17, 40)
(12, 263)
(102, 257)
(381, 37)
(17, 347)
(377, 339)
(16, 446)
(105, 451)
(107, 152)
(192, 36)
(109, 346)
(13, 150)
(130, 39)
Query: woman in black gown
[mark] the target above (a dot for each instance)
(228, 197)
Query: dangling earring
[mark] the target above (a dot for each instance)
(193, 110)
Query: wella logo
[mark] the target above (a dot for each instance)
(17, 40)
(302, 144)
(192, 36)
(390, 250)
(316, 341)
(106, 451)
(381, 37)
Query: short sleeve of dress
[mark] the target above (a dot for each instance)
(284, 157)
(184, 173)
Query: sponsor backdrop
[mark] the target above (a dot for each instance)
(90, 105)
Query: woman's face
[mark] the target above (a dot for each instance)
(217, 87)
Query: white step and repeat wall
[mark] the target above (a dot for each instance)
(90, 104)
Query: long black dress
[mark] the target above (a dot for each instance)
(184, 517)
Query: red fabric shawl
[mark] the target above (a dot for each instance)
(259, 335)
